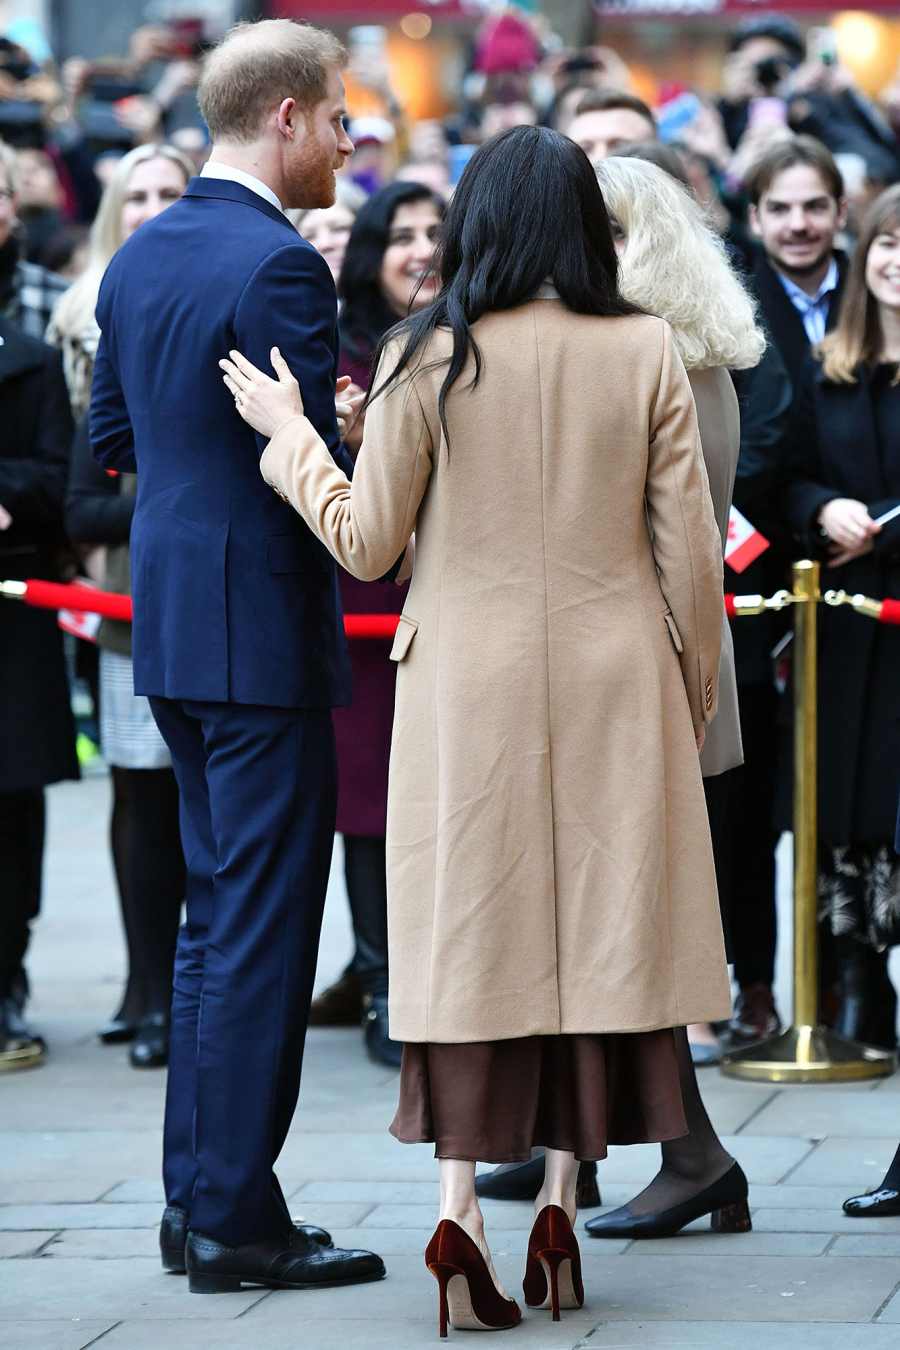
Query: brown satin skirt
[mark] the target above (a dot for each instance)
(493, 1101)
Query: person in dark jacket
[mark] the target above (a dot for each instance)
(797, 275)
(385, 273)
(37, 733)
(844, 476)
(145, 830)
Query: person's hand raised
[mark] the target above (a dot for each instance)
(264, 403)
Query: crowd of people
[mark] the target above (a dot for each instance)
(763, 226)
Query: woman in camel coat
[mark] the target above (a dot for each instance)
(550, 877)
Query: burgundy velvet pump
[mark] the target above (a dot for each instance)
(469, 1299)
(553, 1270)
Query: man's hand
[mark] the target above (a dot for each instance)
(700, 737)
(5, 518)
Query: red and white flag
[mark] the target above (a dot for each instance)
(744, 543)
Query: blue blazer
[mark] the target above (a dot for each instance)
(235, 600)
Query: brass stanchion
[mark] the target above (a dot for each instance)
(806, 1052)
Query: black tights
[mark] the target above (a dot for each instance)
(694, 1161)
(149, 864)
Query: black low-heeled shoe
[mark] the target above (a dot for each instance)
(523, 1181)
(173, 1233)
(880, 1204)
(725, 1201)
(150, 1049)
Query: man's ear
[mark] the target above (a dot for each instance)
(843, 208)
(753, 220)
(287, 117)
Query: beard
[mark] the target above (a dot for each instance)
(311, 181)
(804, 269)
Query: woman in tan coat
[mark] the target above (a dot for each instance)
(551, 892)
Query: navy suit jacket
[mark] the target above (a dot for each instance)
(235, 599)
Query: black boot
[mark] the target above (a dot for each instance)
(151, 1044)
(868, 1006)
(380, 1047)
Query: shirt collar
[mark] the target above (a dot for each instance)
(800, 298)
(213, 168)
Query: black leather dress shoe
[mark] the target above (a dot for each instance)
(523, 1181)
(150, 1049)
(214, 1268)
(117, 1031)
(725, 1200)
(174, 1229)
(380, 1047)
(883, 1204)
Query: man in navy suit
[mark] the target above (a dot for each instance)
(238, 637)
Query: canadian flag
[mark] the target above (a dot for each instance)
(744, 542)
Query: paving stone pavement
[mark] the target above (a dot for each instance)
(80, 1194)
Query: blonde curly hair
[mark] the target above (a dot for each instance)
(674, 265)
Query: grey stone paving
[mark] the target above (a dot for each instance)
(80, 1194)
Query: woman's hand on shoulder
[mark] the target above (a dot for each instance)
(264, 403)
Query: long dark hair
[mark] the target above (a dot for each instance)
(366, 315)
(528, 209)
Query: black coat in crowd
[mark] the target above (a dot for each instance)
(840, 449)
(37, 735)
(766, 395)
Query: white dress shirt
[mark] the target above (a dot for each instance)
(813, 309)
(213, 168)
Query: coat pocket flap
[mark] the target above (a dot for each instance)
(406, 631)
(674, 633)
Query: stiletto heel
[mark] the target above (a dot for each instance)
(553, 1269)
(732, 1218)
(468, 1297)
(443, 1275)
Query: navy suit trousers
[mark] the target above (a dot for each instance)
(258, 793)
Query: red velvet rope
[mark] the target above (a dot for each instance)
(86, 599)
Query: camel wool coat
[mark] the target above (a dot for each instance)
(549, 861)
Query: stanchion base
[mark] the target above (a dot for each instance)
(809, 1055)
